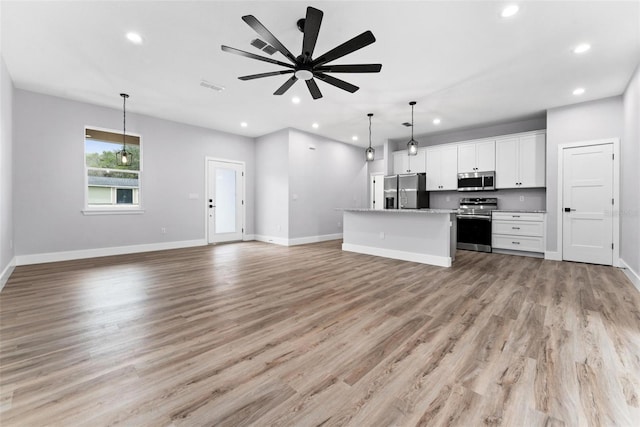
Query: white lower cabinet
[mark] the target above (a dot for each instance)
(518, 231)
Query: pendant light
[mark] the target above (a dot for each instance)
(370, 153)
(124, 157)
(412, 145)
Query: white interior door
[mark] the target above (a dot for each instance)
(376, 194)
(225, 201)
(587, 220)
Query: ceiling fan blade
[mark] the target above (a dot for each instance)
(266, 34)
(253, 56)
(358, 42)
(336, 82)
(285, 87)
(311, 29)
(313, 89)
(259, 76)
(356, 68)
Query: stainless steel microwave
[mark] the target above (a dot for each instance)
(477, 181)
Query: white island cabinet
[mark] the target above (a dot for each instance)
(427, 236)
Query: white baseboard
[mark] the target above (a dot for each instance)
(6, 273)
(314, 239)
(553, 256)
(248, 237)
(270, 239)
(297, 241)
(99, 252)
(440, 261)
(632, 275)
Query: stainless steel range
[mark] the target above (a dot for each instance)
(474, 223)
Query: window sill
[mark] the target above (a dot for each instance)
(114, 211)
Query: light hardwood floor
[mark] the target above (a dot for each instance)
(252, 333)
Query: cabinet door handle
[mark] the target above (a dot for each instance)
(516, 243)
(515, 216)
(515, 228)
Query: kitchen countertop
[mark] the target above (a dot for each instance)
(519, 210)
(404, 211)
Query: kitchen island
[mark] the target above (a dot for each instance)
(427, 236)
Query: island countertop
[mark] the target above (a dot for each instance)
(411, 211)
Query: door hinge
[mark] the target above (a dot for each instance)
(242, 173)
(613, 156)
(243, 203)
(612, 202)
(243, 230)
(612, 246)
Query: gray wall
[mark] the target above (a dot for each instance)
(579, 122)
(49, 173)
(630, 167)
(6, 168)
(506, 128)
(323, 175)
(272, 185)
(532, 198)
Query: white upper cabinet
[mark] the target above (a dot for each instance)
(520, 161)
(442, 168)
(477, 156)
(403, 163)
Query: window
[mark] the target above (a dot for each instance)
(109, 185)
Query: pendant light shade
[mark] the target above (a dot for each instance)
(412, 145)
(124, 157)
(370, 153)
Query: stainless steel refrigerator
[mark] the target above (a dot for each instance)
(391, 192)
(406, 191)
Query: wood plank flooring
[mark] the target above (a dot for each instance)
(258, 334)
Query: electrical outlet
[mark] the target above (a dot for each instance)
(382, 234)
(163, 230)
(522, 198)
(10, 243)
(448, 198)
(339, 224)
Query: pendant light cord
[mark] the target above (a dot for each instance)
(124, 120)
(370, 130)
(412, 122)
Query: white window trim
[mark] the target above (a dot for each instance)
(111, 210)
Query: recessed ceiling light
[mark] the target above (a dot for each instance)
(354, 138)
(295, 100)
(436, 121)
(582, 48)
(315, 126)
(134, 38)
(509, 11)
(244, 124)
(578, 91)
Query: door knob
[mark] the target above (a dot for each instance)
(569, 210)
(210, 206)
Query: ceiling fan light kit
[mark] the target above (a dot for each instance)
(306, 67)
(412, 145)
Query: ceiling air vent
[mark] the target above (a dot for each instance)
(269, 49)
(406, 124)
(212, 86)
(257, 43)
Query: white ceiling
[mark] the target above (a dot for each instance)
(459, 60)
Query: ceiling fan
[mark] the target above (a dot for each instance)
(305, 67)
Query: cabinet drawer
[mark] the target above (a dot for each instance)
(519, 216)
(519, 228)
(518, 243)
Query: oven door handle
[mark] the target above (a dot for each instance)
(483, 217)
